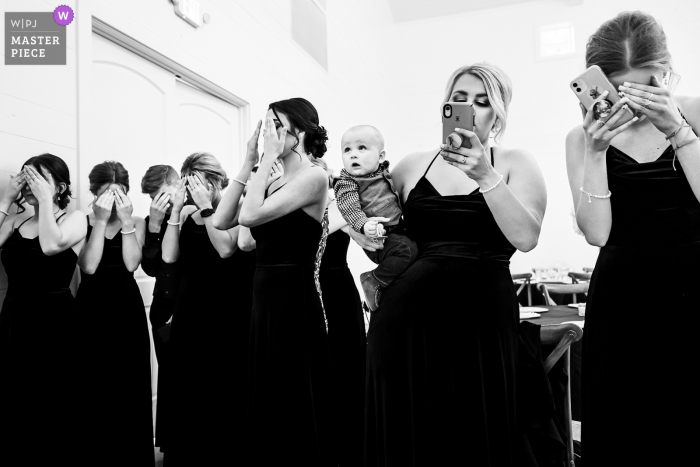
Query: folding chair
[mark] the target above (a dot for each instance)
(577, 277)
(526, 278)
(561, 289)
(562, 336)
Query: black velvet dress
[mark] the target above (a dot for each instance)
(209, 339)
(442, 346)
(347, 344)
(42, 409)
(636, 355)
(288, 406)
(114, 319)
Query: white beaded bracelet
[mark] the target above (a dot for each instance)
(492, 187)
(242, 183)
(129, 232)
(5, 212)
(173, 223)
(591, 195)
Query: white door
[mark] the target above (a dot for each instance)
(143, 115)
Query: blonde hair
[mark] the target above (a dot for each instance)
(208, 166)
(498, 89)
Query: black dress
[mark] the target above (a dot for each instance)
(442, 347)
(209, 336)
(288, 407)
(42, 410)
(347, 344)
(635, 370)
(112, 315)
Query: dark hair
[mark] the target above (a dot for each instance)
(632, 39)
(156, 176)
(108, 172)
(58, 170)
(302, 116)
(207, 165)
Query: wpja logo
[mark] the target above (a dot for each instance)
(33, 38)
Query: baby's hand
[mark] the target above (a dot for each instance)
(373, 227)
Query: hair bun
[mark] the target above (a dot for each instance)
(318, 142)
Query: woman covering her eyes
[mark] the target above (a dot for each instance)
(42, 408)
(111, 308)
(636, 188)
(288, 406)
(442, 346)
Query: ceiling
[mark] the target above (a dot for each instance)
(412, 10)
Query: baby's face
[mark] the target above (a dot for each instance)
(362, 152)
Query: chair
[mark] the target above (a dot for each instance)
(589, 270)
(577, 277)
(562, 336)
(561, 289)
(526, 278)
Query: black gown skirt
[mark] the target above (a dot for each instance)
(114, 320)
(641, 312)
(442, 346)
(43, 413)
(209, 338)
(288, 407)
(347, 345)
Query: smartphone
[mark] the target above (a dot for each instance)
(457, 115)
(589, 86)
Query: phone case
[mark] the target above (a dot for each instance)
(457, 115)
(589, 86)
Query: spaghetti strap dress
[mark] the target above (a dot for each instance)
(209, 339)
(348, 345)
(442, 346)
(42, 410)
(114, 320)
(288, 406)
(641, 312)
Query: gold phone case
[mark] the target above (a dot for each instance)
(457, 115)
(589, 86)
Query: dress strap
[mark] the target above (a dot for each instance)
(23, 222)
(274, 191)
(492, 163)
(431, 164)
(59, 217)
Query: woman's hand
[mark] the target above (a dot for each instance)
(252, 155)
(274, 144)
(369, 244)
(472, 161)
(124, 208)
(179, 198)
(158, 210)
(654, 102)
(597, 133)
(42, 189)
(199, 191)
(17, 182)
(103, 206)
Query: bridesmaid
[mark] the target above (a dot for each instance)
(110, 305)
(442, 348)
(160, 183)
(208, 369)
(288, 405)
(637, 192)
(42, 412)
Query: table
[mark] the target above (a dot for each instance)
(557, 315)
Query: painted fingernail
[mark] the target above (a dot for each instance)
(605, 93)
(626, 84)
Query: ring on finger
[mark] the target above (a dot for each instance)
(464, 160)
(646, 103)
(600, 123)
(649, 97)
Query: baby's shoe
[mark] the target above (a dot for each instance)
(372, 289)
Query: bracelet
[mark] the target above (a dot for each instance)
(129, 232)
(683, 124)
(591, 195)
(5, 212)
(242, 183)
(173, 223)
(492, 187)
(687, 142)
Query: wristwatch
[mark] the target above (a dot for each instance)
(206, 212)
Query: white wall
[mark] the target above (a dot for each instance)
(543, 110)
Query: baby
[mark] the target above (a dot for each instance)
(370, 204)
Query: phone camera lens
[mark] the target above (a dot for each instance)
(575, 85)
(578, 89)
(448, 108)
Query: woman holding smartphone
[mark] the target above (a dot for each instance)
(442, 347)
(42, 411)
(288, 405)
(636, 189)
(110, 305)
(206, 375)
